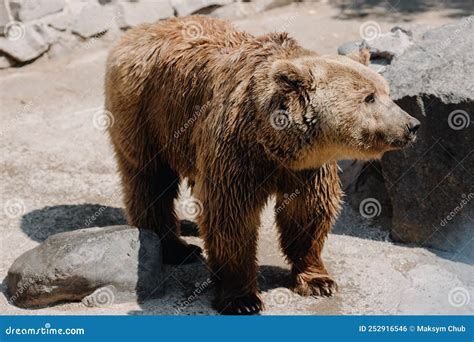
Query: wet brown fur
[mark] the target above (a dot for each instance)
(196, 105)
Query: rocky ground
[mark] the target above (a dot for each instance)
(58, 170)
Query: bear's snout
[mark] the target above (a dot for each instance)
(412, 128)
(401, 128)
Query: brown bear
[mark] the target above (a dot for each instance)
(242, 118)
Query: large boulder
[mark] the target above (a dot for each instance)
(95, 19)
(431, 185)
(186, 7)
(238, 10)
(5, 16)
(26, 42)
(6, 62)
(383, 47)
(99, 266)
(59, 21)
(26, 10)
(135, 13)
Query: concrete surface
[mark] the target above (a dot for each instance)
(56, 164)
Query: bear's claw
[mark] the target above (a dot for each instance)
(246, 305)
(316, 285)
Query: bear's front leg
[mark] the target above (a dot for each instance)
(308, 203)
(229, 226)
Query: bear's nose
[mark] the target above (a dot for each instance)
(413, 126)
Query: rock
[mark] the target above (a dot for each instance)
(389, 45)
(448, 49)
(386, 46)
(60, 21)
(432, 185)
(383, 46)
(265, 5)
(366, 194)
(94, 19)
(49, 35)
(64, 45)
(74, 8)
(26, 42)
(415, 31)
(100, 266)
(25, 10)
(59, 49)
(235, 10)
(186, 7)
(379, 64)
(238, 10)
(134, 13)
(349, 47)
(6, 62)
(5, 16)
(103, 296)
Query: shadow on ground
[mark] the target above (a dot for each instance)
(401, 9)
(41, 223)
(188, 290)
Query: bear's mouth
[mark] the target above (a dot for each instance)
(406, 141)
(384, 143)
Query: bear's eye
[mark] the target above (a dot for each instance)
(370, 98)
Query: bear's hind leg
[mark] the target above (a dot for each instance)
(149, 194)
(307, 204)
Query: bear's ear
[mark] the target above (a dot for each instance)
(291, 77)
(362, 56)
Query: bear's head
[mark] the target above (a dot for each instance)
(328, 108)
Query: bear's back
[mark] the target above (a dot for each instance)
(186, 43)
